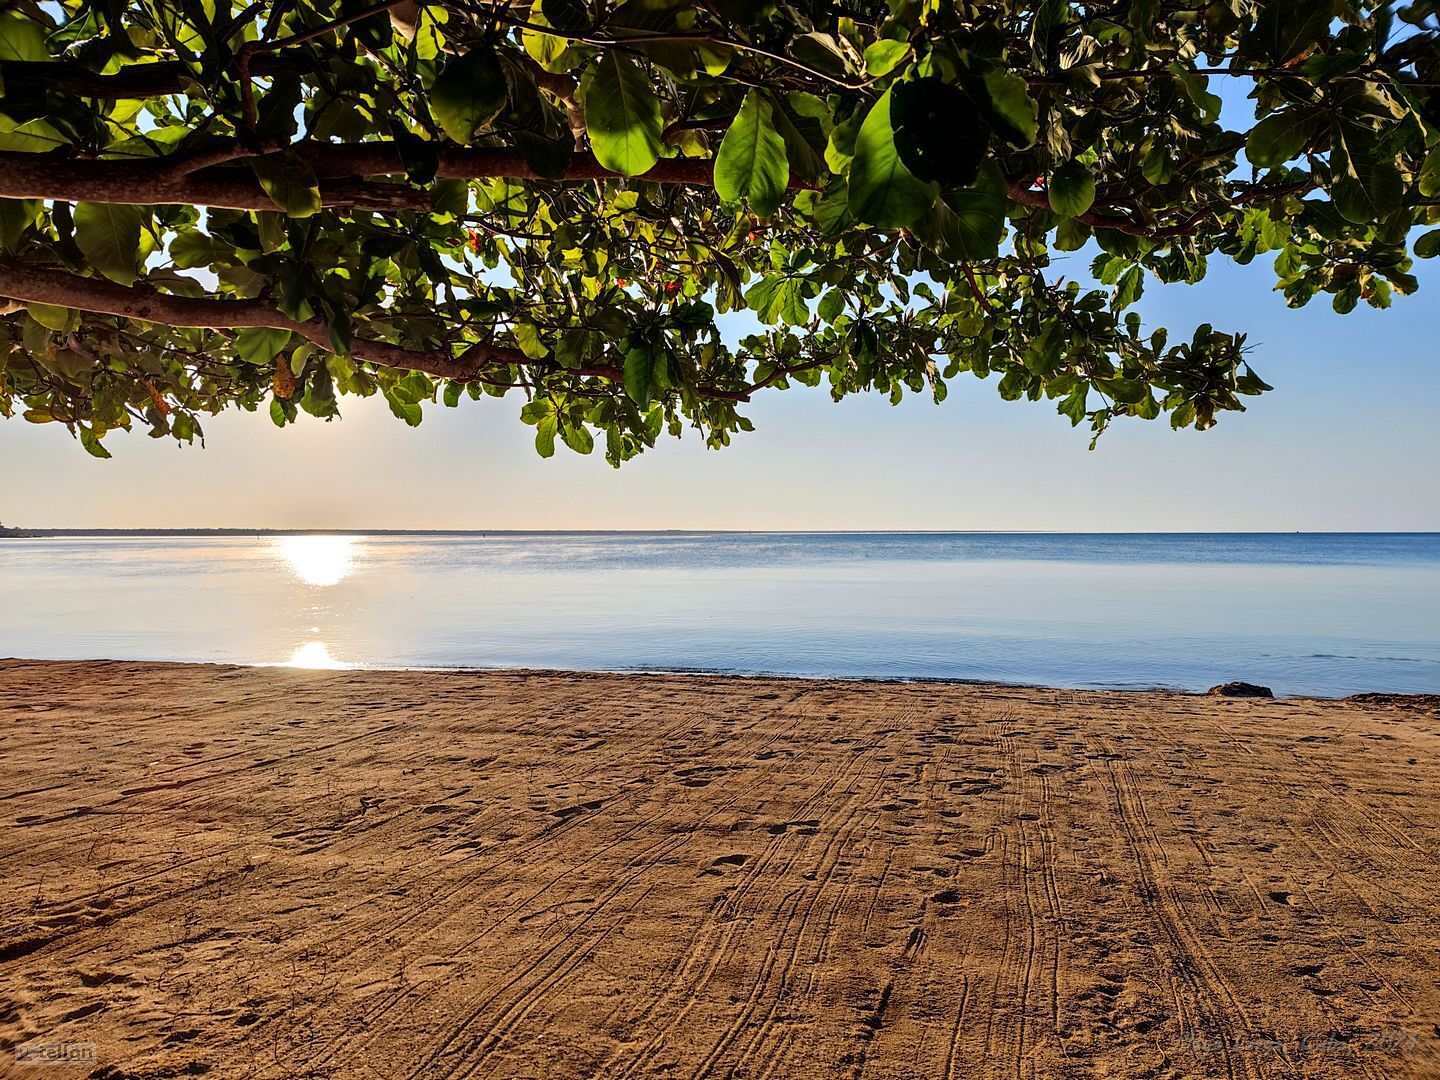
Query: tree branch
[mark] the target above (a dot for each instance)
(159, 79)
(566, 91)
(40, 285)
(157, 182)
(1022, 193)
(744, 393)
(340, 166)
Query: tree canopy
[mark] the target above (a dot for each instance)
(208, 203)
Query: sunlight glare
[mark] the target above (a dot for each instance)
(319, 560)
(314, 654)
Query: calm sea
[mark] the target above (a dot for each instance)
(1303, 613)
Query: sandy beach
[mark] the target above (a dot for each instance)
(274, 873)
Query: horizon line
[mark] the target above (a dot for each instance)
(32, 532)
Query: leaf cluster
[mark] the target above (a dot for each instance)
(578, 192)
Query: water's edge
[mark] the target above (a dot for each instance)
(1419, 698)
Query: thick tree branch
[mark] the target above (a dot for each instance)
(159, 79)
(341, 167)
(44, 286)
(157, 181)
(41, 285)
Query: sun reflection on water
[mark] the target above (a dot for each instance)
(319, 560)
(314, 654)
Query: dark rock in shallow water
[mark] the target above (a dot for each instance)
(1240, 689)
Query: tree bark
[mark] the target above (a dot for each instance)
(133, 81)
(44, 286)
(160, 181)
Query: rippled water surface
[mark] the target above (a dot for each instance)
(1304, 613)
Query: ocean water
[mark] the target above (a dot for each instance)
(1319, 614)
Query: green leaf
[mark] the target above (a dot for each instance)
(21, 38)
(1012, 106)
(1074, 403)
(778, 299)
(882, 190)
(194, 248)
(840, 147)
(319, 397)
(1128, 289)
(1429, 178)
(1371, 187)
(271, 227)
(51, 317)
(545, 431)
(1196, 88)
(622, 115)
(340, 328)
(641, 374)
(551, 52)
(1071, 235)
(820, 51)
(1157, 166)
(91, 442)
(884, 56)
(803, 121)
(1286, 29)
(403, 408)
(469, 93)
(568, 15)
(971, 221)
(260, 344)
(752, 163)
(1071, 189)
(1125, 391)
(831, 305)
(290, 183)
(527, 336)
(109, 236)
(1279, 138)
(35, 136)
(1427, 245)
(938, 131)
(17, 215)
(578, 438)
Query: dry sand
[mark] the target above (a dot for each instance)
(278, 873)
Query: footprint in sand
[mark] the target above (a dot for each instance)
(720, 865)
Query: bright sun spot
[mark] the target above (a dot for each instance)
(319, 560)
(314, 654)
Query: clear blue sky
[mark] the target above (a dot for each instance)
(1347, 440)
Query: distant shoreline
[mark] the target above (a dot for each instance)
(1417, 698)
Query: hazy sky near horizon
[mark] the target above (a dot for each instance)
(1347, 440)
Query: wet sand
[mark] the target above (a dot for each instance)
(280, 873)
